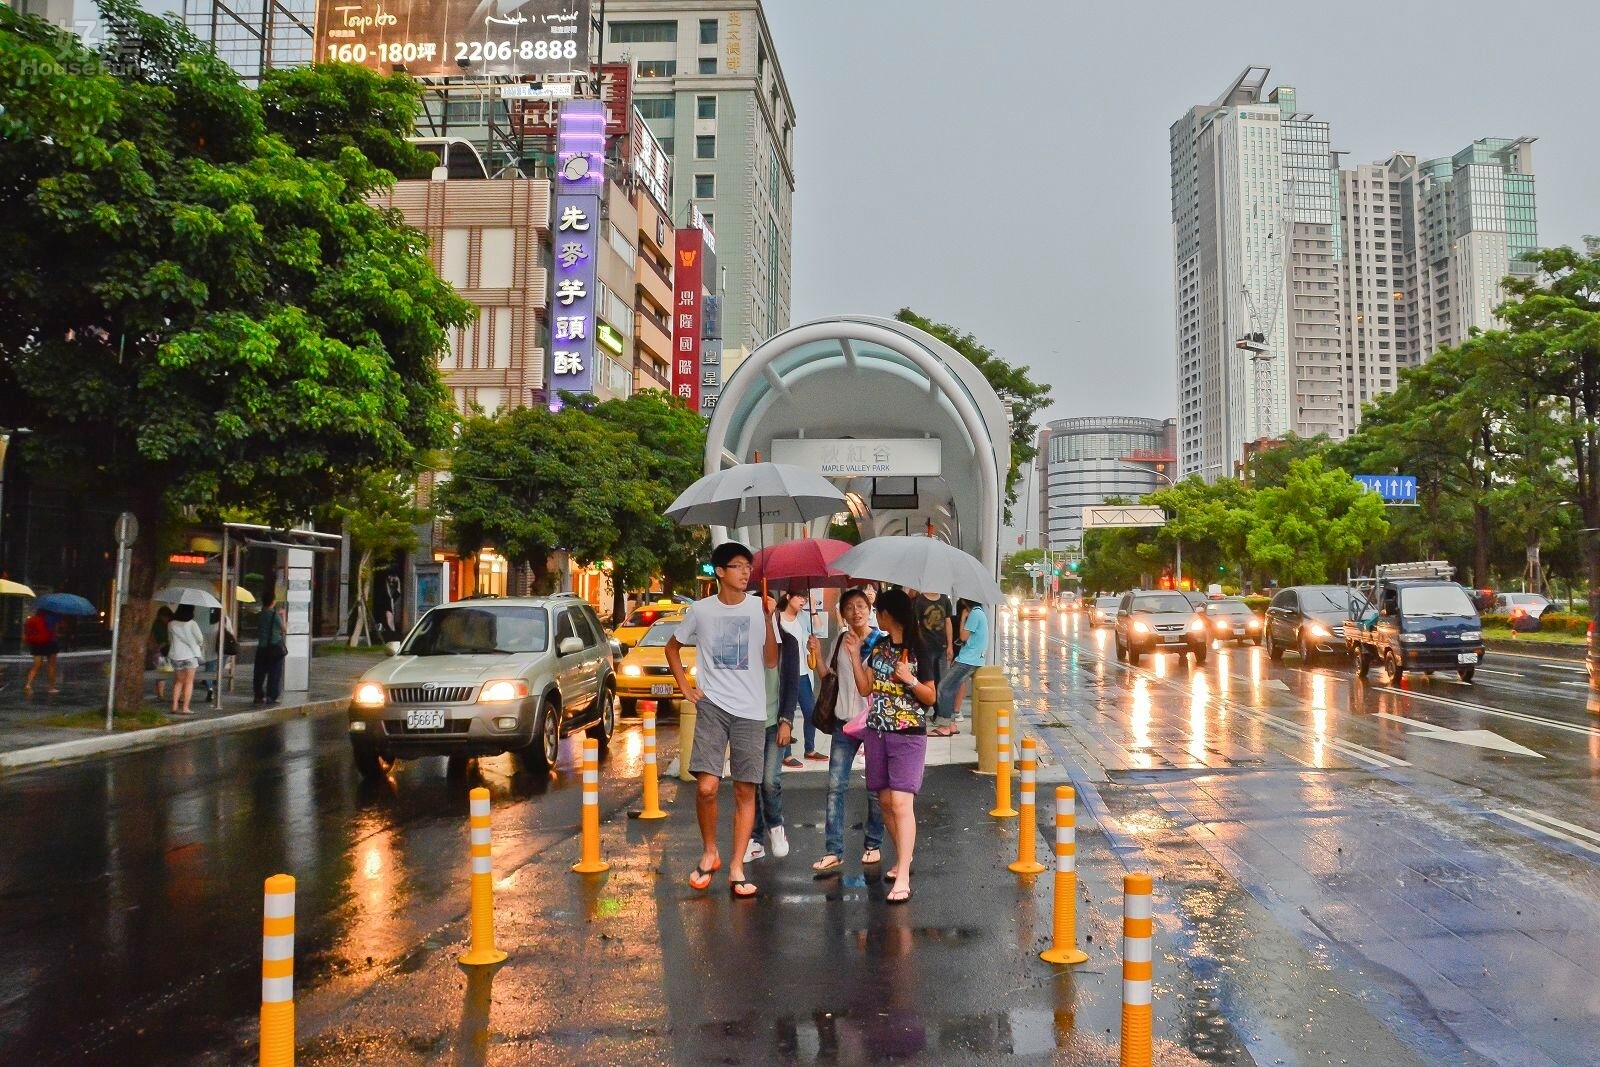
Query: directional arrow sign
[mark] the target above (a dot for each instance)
(1475, 738)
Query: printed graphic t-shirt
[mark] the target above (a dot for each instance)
(977, 646)
(731, 664)
(931, 616)
(890, 705)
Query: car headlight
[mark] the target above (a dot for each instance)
(1316, 629)
(502, 689)
(369, 695)
(691, 670)
(1223, 626)
(1471, 635)
(632, 670)
(1413, 639)
(1253, 624)
(1141, 628)
(1198, 626)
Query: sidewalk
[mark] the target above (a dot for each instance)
(28, 740)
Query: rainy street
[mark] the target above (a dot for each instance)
(1343, 873)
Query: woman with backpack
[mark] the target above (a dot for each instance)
(39, 634)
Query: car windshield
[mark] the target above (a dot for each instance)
(1162, 602)
(656, 636)
(480, 630)
(648, 616)
(1435, 600)
(1340, 601)
(1106, 603)
(1229, 607)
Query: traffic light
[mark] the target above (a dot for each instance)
(1076, 565)
(707, 570)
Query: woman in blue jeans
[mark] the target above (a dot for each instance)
(855, 639)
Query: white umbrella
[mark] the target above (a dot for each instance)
(183, 594)
(10, 588)
(921, 563)
(753, 494)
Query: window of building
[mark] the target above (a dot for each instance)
(708, 64)
(705, 186)
(656, 107)
(667, 144)
(656, 68)
(705, 107)
(644, 32)
(705, 146)
(711, 221)
(708, 31)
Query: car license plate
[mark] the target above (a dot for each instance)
(1467, 657)
(660, 690)
(424, 720)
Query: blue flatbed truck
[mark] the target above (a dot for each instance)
(1419, 619)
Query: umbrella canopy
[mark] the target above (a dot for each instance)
(753, 494)
(808, 560)
(240, 593)
(65, 604)
(10, 588)
(183, 594)
(921, 563)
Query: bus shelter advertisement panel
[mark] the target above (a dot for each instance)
(439, 38)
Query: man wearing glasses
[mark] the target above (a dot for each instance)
(737, 645)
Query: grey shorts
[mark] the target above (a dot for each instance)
(185, 664)
(717, 732)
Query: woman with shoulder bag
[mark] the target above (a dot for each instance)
(840, 701)
(271, 650)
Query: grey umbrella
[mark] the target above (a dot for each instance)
(753, 494)
(921, 563)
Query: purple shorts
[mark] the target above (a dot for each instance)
(895, 761)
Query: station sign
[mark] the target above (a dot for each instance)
(908, 457)
(1398, 489)
(444, 38)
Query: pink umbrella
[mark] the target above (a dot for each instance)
(807, 561)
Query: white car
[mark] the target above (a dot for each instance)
(1514, 604)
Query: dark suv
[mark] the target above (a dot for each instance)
(1309, 619)
(1160, 620)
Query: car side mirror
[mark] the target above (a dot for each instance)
(392, 647)
(570, 645)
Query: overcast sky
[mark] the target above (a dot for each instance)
(1003, 166)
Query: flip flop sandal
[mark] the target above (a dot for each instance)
(892, 899)
(700, 878)
(871, 856)
(742, 889)
(828, 864)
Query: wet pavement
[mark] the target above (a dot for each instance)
(1337, 881)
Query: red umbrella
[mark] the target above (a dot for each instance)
(807, 561)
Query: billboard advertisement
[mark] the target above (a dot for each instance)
(535, 118)
(580, 179)
(455, 38)
(688, 271)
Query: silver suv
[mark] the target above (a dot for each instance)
(482, 677)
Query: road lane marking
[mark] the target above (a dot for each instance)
(1537, 720)
(1551, 831)
(1475, 738)
(1565, 667)
(1508, 674)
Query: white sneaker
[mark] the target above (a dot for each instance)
(754, 851)
(780, 841)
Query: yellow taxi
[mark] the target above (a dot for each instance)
(645, 616)
(643, 673)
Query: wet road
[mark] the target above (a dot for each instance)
(1430, 852)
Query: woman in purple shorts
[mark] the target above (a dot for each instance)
(898, 681)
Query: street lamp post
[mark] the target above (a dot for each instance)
(1176, 540)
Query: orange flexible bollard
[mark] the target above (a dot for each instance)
(591, 863)
(1027, 826)
(1002, 767)
(1137, 969)
(652, 784)
(483, 950)
(1064, 933)
(277, 973)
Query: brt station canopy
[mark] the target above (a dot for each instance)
(904, 425)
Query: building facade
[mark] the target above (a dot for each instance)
(254, 36)
(1087, 461)
(708, 83)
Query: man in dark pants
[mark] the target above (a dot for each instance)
(271, 650)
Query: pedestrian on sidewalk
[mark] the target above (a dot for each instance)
(738, 644)
(272, 648)
(798, 626)
(160, 648)
(935, 615)
(782, 700)
(854, 640)
(188, 647)
(973, 654)
(898, 679)
(871, 589)
(39, 634)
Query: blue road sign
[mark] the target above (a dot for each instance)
(1393, 488)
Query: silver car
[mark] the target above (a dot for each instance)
(482, 677)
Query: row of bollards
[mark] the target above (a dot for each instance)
(1137, 921)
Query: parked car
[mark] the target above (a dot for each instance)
(1233, 620)
(645, 616)
(1158, 620)
(1103, 611)
(483, 677)
(1309, 619)
(643, 673)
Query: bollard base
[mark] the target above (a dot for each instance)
(482, 957)
(1004, 813)
(1026, 868)
(657, 814)
(1067, 956)
(597, 867)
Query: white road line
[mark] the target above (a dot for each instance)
(1565, 667)
(1553, 821)
(1550, 831)
(1508, 674)
(1554, 724)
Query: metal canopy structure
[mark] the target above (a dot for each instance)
(861, 377)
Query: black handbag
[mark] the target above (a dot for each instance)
(822, 711)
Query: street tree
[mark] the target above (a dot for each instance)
(195, 312)
(1014, 569)
(1212, 521)
(1026, 397)
(1315, 524)
(381, 515)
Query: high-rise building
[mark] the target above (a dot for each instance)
(1254, 240)
(253, 36)
(1085, 462)
(708, 83)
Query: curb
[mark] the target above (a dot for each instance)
(1535, 649)
(64, 752)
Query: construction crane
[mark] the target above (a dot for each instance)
(1263, 320)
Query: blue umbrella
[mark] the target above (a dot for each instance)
(65, 604)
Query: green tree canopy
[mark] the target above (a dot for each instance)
(196, 311)
(1315, 525)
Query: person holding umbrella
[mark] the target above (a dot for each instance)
(188, 647)
(738, 644)
(39, 634)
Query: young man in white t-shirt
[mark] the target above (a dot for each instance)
(737, 645)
